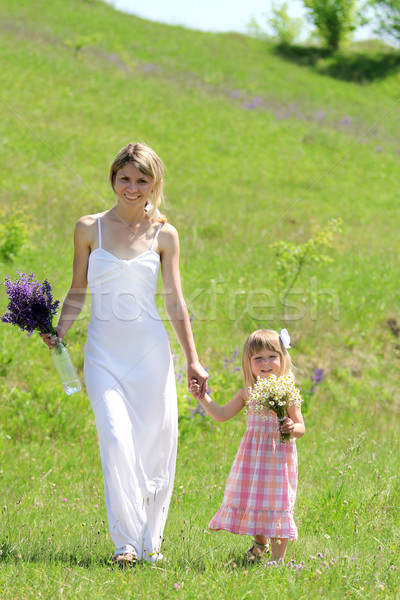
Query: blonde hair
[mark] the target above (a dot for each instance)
(150, 164)
(264, 339)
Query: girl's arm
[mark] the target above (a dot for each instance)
(75, 299)
(217, 412)
(294, 422)
(175, 304)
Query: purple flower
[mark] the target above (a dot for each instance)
(31, 306)
(199, 410)
(283, 115)
(378, 149)
(256, 102)
(318, 376)
(346, 121)
(231, 361)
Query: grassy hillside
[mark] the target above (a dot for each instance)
(259, 147)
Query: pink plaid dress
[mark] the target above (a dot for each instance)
(261, 489)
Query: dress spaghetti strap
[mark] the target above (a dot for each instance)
(99, 229)
(156, 236)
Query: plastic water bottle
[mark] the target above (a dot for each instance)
(65, 368)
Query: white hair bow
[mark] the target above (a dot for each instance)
(285, 338)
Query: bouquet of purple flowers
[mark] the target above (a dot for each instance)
(31, 308)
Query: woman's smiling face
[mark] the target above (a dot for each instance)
(132, 187)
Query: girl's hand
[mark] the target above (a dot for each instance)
(287, 426)
(194, 389)
(195, 372)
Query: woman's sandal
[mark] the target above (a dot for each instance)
(127, 559)
(256, 551)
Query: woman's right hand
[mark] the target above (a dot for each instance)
(49, 340)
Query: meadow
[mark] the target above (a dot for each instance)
(260, 147)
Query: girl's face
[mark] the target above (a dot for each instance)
(265, 363)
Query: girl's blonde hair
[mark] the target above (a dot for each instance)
(264, 339)
(150, 164)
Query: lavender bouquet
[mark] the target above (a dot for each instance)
(276, 394)
(31, 308)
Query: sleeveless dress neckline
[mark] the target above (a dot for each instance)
(124, 259)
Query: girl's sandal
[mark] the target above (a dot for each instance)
(127, 559)
(256, 551)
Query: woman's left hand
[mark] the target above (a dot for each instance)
(196, 371)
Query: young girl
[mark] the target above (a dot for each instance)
(261, 489)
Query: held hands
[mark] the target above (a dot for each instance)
(194, 389)
(196, 374)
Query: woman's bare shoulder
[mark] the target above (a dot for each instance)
(90, 220)
(168, 237)
(168, 230)
(86, 228)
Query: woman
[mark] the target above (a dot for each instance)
(128, 365)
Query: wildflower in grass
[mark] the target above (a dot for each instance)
(31, 306)
(274, 393)
(198, 410)
(229, 362)
(253, 104)
(316, 378)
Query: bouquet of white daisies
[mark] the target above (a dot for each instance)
(276, 394)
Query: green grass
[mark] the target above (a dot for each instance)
(259, 147)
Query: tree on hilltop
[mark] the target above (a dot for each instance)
(334, 19)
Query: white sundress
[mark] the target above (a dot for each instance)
(130, 381)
